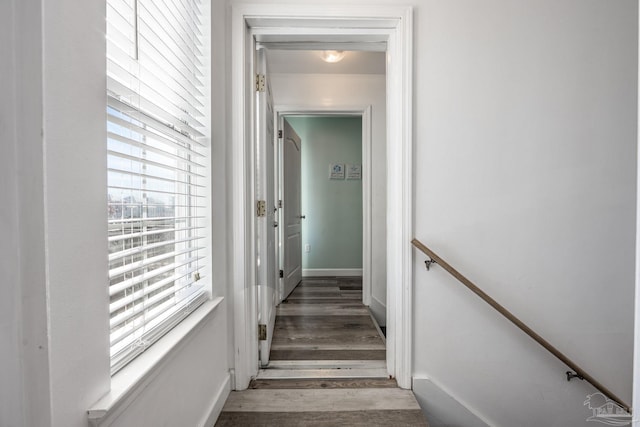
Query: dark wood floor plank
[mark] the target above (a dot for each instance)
(322, 309)
(346, 287)
(325, 330)
(310, 283)
(328, 355)
(314, 292)
(398, 418)
(336, 301)
(323, 383)
(330, 339)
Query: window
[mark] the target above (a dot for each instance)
(157, 155)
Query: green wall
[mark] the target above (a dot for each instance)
(333, 208)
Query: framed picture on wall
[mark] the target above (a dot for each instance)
(354, 171)
(336, 171)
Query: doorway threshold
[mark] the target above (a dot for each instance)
(327, 373)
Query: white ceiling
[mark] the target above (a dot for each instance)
(309, 62)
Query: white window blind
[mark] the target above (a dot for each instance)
(156, 157)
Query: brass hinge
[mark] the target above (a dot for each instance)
(262, 332)
(260, 82)
(280, 134)
(261, 208)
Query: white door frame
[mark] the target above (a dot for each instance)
(364, 112)
(322, 23)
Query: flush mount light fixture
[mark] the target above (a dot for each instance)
(332, 55)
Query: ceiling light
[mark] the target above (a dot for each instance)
(332, 55)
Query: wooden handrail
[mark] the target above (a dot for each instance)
(520, 324)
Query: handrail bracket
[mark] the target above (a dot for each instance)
(428, 263)
(572, 375)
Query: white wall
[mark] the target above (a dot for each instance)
(636, 352)
(188, 387)
(74, 172)
(54, 362)
(526, 146)
(525, 180)
(11, 410)
(344, 90)
(24, 372)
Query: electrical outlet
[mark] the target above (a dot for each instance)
(307, 248)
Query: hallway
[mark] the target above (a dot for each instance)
(322, 327)
(327, 366)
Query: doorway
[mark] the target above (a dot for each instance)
(322, 327)
(389, 27)
(332, 194)
(364, 115)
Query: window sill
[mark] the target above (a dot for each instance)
(127, 383)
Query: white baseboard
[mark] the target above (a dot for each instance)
(379, 311)
(326, 272)
(442, 409)
(217, 404)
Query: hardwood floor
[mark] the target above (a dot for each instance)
(324, 319)
(327, 366)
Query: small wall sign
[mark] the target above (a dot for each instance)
(336, 171)
(354, 171)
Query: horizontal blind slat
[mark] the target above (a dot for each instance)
(115, 306)
(163, 25)
(147, 190)
(151, 162)
(183, 19)
(172, 40)
(141, 265)
(150, 88)
(137, 299)
(141, 249)
(152, 109)
(189, 14)
(155, 219)
(156, 124)
(151, 233)
(150, 176)
(133, 126)
(124, 54)
(150, 315)
(146, 146)
(129, 283)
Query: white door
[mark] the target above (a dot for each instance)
(292, 233)
(266, 224)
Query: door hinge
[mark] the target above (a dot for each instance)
(281, 274)
(280, 204)
(262, 332)
(260, 82)
(280, 134)
(261, 208)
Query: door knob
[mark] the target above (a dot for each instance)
(302, 216)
